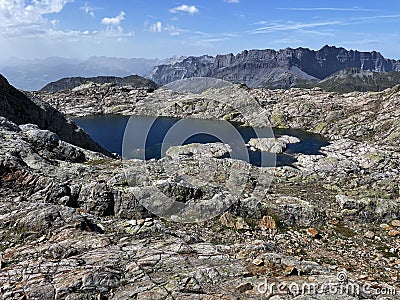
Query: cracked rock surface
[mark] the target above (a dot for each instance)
(76, 224)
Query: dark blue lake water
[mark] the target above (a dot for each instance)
(149, 137)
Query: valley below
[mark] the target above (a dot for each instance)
(194, 223)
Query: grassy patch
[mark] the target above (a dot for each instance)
(385, 251)
(344, 230)
(278, 120)
(103, 162)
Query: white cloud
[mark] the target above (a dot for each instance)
(22, 21)
(113, 24)
(190, 9)
(40, 6)
(159, 27)
(24, 24)
(88, 10)
(18, 12)
(22, 18)
(232, 1)
(54, 23)
(115, 21)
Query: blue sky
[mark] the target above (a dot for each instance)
(163, 28)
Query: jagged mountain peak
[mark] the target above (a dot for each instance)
(272, 68)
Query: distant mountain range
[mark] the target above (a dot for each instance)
(35, 74)
(331, 68)
(275, 69)
(353, 79)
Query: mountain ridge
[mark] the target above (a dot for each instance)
(355, 80)
(36, 73)
(70, 83)
(268, 68)
(274, 68)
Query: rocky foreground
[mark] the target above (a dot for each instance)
(74, 223)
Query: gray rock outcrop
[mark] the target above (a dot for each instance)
(273, 145)
(21, 109)
(203, 150)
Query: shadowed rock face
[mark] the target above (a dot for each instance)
(270, 68)
(73, 82)
(20, 109)
(354, 79)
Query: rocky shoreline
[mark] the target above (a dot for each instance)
(368, 116)
(74, 226)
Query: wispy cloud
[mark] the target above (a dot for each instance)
(160, 27)
(89, 10)
(287, 41)
(76, 35)
(208, 42)
(395, 16)
(324, 33)
(216, 40)
(362, 42)
(190, 9)
(273, 27)
(260, 23)
(327, 9)
(232, 1)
